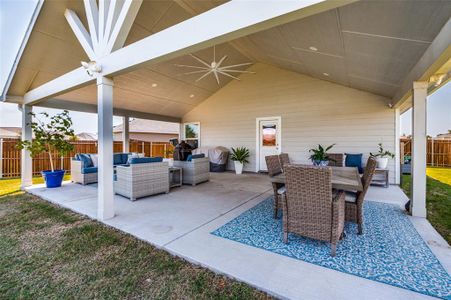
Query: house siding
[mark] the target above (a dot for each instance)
(313, 112)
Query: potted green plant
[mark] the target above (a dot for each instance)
(319, 156)
(240, 157)
(50, 136)
(382, 156)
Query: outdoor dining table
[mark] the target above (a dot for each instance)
(343, 178)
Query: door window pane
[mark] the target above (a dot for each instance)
(269, 135)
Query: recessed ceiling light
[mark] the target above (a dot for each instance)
(313, 48)
(326, 74)
(154, 85)
(191, 96)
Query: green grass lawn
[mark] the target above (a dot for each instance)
(52, 253)
(438, 199)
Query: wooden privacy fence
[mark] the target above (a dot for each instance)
(10, 156)
(438, 151)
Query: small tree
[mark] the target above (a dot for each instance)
(51, 136)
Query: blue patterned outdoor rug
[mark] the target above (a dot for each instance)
(390, 251)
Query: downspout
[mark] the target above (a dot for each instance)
(23, 44)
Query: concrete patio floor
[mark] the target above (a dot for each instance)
(181, 221)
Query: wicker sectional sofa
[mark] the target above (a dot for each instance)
(142, 179)
(86, 174)
(195, 171)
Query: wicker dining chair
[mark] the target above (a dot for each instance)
(337, 159)
(354, 200)
(274, 168)
(310, 209)
(284, 159)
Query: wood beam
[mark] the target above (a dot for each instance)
(92, 14)
(81, 33)
(205, 30)
(63, 84)
(92, 108)
(123, 25)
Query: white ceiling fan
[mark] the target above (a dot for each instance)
(215, 68)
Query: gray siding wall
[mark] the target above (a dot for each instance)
(313, 112)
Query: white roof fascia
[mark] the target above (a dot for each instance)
(23, 44)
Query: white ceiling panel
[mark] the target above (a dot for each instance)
(320, 31)
(417, 20)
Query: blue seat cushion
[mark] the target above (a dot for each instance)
(88, 170)
(143, 160)
(194, 156)
(354, 160)
(85, 159)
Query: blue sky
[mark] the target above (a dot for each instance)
(15, 16)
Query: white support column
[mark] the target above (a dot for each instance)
(105, 204)
(125, 135)
(1, 158)
(397, 148)
(26, 170)
(418, 186)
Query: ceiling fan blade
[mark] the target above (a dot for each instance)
(220, 62)
(200, 60)
(203, 76)
(236, 71)
(216, 76)
(194, 72)
(231, 76)
(188, 66)
(238, 65)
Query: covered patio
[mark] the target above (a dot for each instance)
(184, 222)
(315, 72)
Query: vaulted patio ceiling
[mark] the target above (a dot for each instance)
(368, 45)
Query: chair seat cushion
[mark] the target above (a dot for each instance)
(281, 190)
(351, 197)
(89, 170)
(354, 160)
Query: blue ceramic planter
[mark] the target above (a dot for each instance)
(53, 179)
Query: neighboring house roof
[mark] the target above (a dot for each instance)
(10, 132)
(149, 126)
(444, 136)
(86, 136)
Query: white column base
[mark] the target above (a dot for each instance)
(105, 204)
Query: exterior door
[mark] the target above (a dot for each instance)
(269, 130)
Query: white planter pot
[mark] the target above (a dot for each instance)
(382, 162)
(238, 167)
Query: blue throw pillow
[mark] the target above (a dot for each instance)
(354, 160)
(117, 158)
(124, 158)
(86, 160)
(143, 160)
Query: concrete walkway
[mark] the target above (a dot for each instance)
(181, 221)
